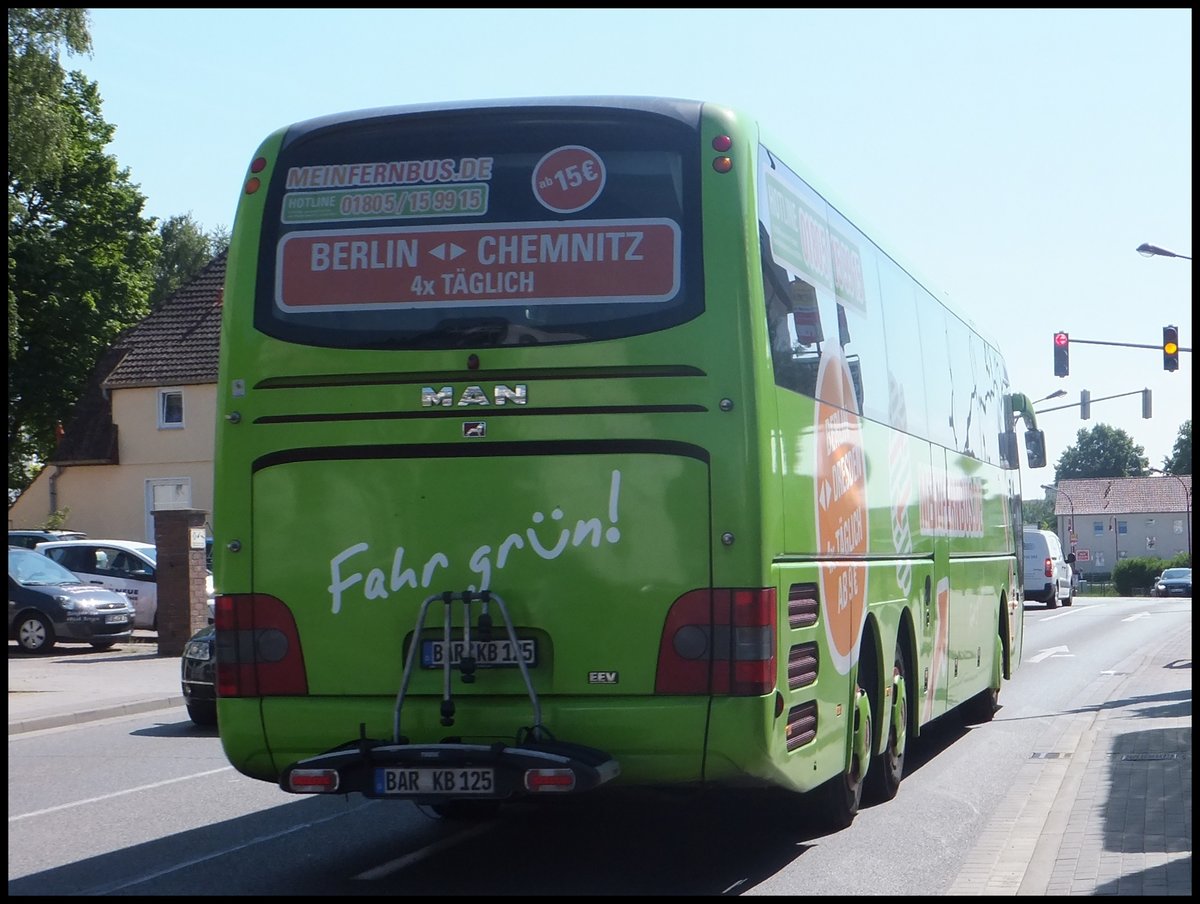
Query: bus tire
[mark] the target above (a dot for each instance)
(841, 796)
(883, 779)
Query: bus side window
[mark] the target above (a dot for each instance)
(793, 323)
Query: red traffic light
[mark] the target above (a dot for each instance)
(1062, 348)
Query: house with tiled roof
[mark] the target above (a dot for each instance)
(141, 436)
(1106, 519)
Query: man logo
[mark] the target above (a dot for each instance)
(474, 396)
(474, 428)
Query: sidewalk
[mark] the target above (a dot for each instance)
(1104, 806)
(77, 684)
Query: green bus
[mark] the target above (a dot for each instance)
(569, 444)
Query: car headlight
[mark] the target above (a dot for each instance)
(74, 603)
(1162, 586)
(197, 649)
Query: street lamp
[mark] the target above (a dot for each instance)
(1057, 394)
(1071, 523)
(1187, 500)
(1147, 250)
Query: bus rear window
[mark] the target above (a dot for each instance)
(481, 229)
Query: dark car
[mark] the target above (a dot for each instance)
(1174, 582)
(47, 604)
(198, 669)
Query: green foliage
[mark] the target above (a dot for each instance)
(57, 520)
(81, 259)
(1039, 513)
(1134, 575)
(37, 126)
(39, 129)
(1180, 461)
(186, 250)
(1102, 451)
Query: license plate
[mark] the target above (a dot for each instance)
(116, 619)
(488, 654)
(458, 782)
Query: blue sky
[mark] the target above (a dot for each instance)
(1013, 158)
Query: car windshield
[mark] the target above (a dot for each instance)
(28, 567)
(1176, 573)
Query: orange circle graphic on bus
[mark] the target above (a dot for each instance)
(841, 508)
(568, 178)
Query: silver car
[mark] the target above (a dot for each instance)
(47, 604)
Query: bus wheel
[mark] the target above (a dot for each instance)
(843, 793)
(888, 768)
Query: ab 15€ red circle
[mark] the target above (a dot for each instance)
(568, 179)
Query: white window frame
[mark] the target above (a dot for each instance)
(163, 423)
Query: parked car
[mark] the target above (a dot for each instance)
(126, 566)
(1173, 582)
(47, 604)
(31, 538)
(198, 674)
(1048, 573)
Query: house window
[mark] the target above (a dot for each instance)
(170, 408)
(1098, 528)
(1122, 527)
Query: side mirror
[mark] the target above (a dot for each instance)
(1035, 448)
(1070, 558)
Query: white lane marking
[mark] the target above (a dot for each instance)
(92, 800)
(384, 869)
(1136, 617)
(109, 889)
(1047, 653)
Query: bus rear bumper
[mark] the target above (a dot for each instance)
(430, 773)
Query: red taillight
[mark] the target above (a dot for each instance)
(542, 780)
(1049, 567)
(719, 641)
(753, 642)
(312, 781)
(258, 648)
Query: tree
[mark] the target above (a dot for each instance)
(39, 129)
(37, 124)
(1102, 451)
(81, 259)
(186, 250)
(1039, 512)
(1180, 460)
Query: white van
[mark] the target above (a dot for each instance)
(1048, 573)
(126, 566)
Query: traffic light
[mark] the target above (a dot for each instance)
(1062, 350)
(1170, 348)
(1146, 412)
(1085, 404)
